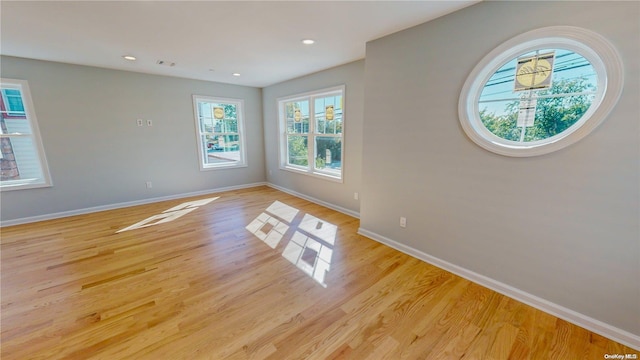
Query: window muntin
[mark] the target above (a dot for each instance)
(313, 131)
(220, 132)
(22, 160)
(584, 85)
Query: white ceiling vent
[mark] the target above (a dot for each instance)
(165, 63)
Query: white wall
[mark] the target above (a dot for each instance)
(563, 227)
(99, 156)
(339, 194)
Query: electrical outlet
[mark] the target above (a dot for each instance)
(149, 122)
(149, 184)
(403, 221)
(139, 121)
(355, 196)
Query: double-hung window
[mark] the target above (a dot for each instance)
(22, 160)
(220, 132)
(311, 130)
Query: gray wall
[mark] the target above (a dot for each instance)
(341, 194)
(99, 156)
(563, 226)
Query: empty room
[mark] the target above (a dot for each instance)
(320, 180)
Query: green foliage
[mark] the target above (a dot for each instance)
(502, 126)
(230, 111)
(553, 114)
(328, 143)
(330, 126)
(230, 121)
(298, 150)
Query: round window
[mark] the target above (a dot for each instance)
(541, 91)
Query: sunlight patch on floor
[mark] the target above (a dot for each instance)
(309, 255)
(283, 211)
(310, 248)
(268, 229)
(319, 228)
(170, 214)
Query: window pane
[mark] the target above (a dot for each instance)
(221, 148)
(229, 126)
(206, 117)
(298, 150)
(328, 154)
(297, 117)
(328, 114)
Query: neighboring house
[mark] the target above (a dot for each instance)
(12, 116)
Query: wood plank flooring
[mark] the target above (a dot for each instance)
(202, 286)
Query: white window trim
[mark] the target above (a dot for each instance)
(282, 128)
(595, 48)
(30, 113)
(241, 136)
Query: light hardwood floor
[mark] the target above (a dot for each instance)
(204, 287)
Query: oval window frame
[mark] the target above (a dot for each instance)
(596, 49)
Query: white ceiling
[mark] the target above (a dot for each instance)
(208, 40)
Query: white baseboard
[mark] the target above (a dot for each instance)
(597, 326)
(62, 214)
(331, 206)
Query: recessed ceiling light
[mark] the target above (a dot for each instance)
(308, 41)
(129, 57)
(236, 74)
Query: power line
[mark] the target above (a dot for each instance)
(511, 78)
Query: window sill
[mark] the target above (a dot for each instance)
(22, 185)
(222, 167)
(316, 174)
